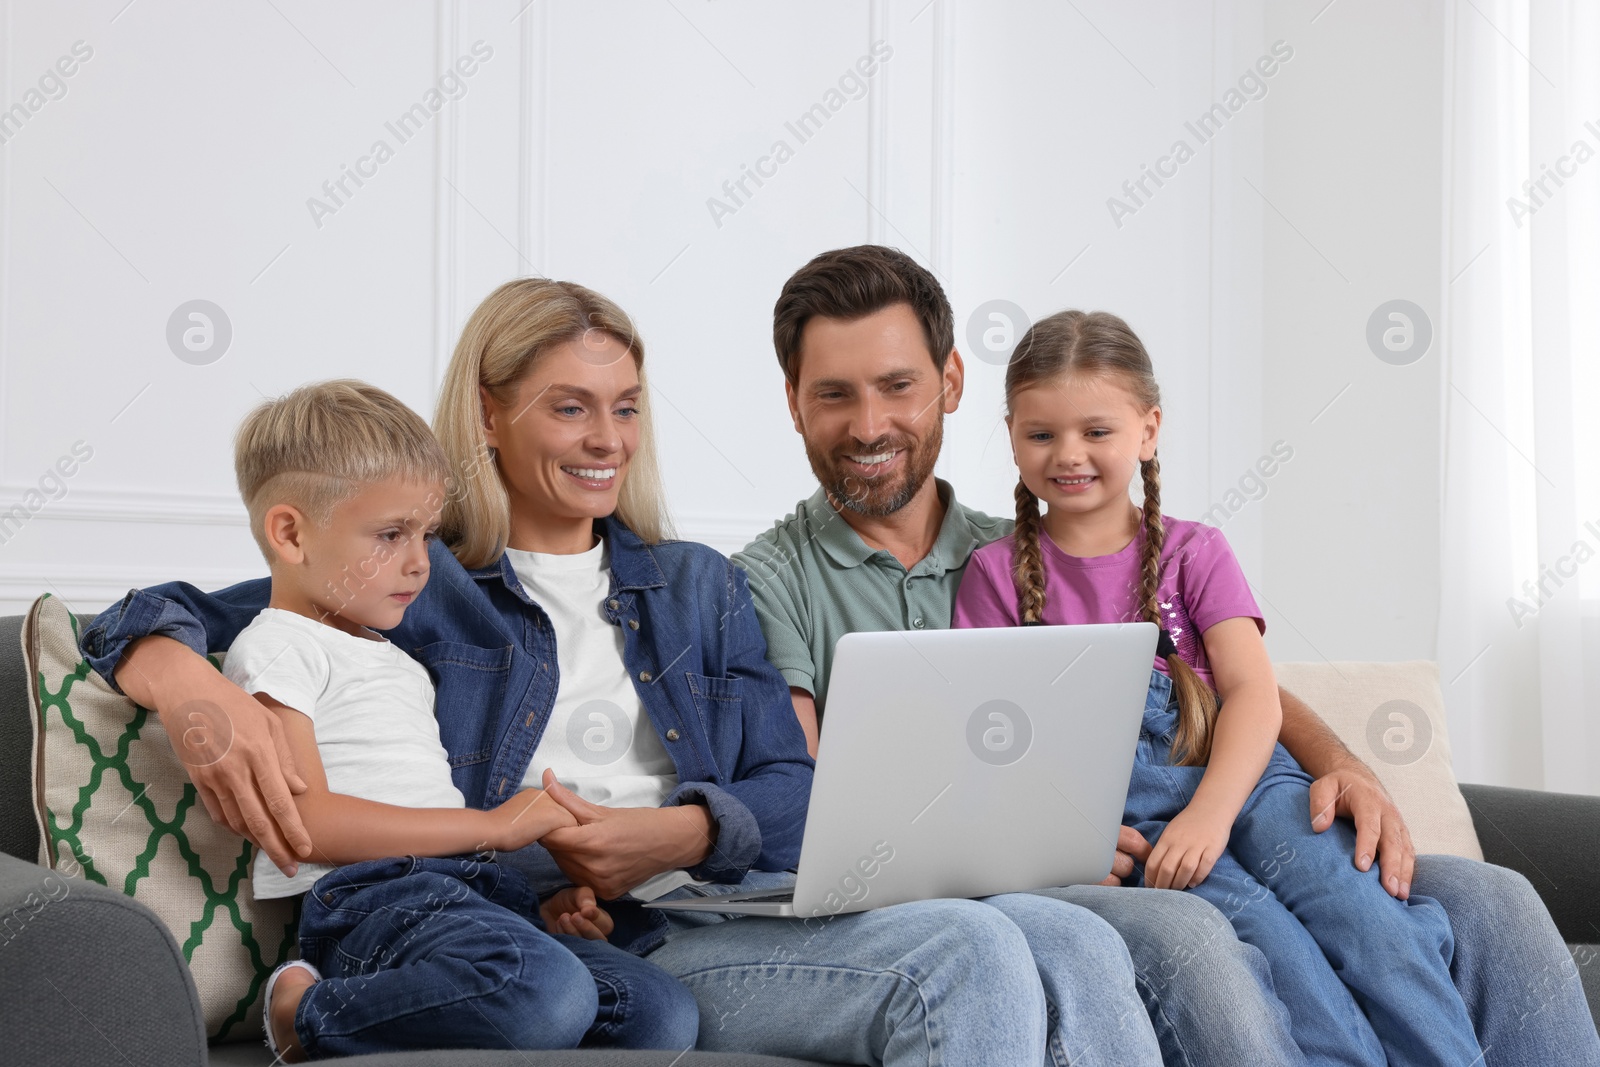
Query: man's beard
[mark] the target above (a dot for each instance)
(877, 497)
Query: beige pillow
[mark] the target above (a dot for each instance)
(1391, 715)
(115, 806)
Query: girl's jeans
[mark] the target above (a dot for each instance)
(420, 953)
(1366, 977)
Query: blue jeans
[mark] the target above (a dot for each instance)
(420, 953)
(1335, 939)
(1014, 981)
(1209, 995)
(1512, 967)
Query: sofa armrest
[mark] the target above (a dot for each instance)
(1553, 840)
(88, 975)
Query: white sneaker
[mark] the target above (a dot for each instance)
(266, 1007)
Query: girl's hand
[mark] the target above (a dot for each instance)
(574, 911)
(525, 818)
(1187, 850)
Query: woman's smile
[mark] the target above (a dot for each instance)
(594, 478)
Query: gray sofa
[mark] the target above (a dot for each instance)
(96, 978)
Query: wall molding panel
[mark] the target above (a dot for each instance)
(549, 163)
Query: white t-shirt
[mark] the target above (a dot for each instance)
(599, 741)
(372, 706)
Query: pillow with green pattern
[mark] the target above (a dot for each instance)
(115, 806)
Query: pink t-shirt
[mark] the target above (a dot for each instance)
(1201, 585)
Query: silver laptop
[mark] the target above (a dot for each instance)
(961, 763)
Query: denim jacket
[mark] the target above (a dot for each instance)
(691, 643)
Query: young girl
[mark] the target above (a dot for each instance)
(1227, 808)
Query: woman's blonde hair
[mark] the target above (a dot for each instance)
(514, 326)
(1099, 344)
(325, 442)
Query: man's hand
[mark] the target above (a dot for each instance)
(1346, 786)
(1187, 850)
(574, 911)
(614, 849)
(1354, 792)
(233, 748)
(1132, 849)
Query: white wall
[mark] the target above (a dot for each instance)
(1354, 173)
(179, 162)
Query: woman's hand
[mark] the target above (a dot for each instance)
(232, 747)
(574, 911)
(529, 815)
(1187, 849)
(615, 849)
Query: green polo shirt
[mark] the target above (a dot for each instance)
(814, 580)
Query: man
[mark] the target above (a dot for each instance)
(866, 342)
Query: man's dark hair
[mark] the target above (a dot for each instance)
(851, 283)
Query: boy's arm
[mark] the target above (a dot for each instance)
(347, 829)
(1241, 745)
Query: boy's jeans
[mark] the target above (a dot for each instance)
(420, 953)
(1366, 977)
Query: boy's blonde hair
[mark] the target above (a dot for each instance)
(324, 443)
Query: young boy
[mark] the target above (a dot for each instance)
(442, 947)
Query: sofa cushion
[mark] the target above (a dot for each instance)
(116, 807)
(1391, 715)
(19, 829)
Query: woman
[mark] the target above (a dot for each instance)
(570, 639)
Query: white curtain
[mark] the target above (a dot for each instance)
(1519, 633)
